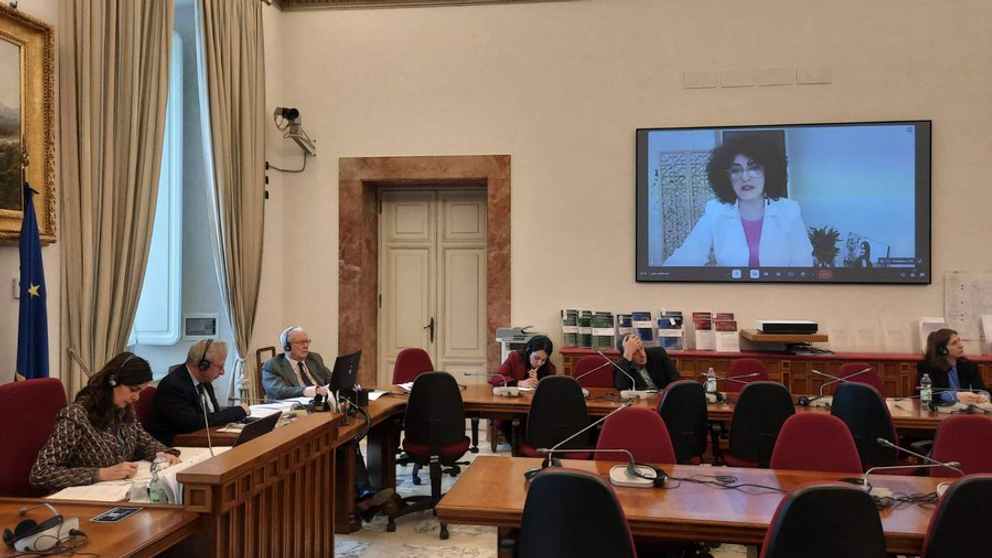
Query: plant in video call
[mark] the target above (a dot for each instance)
(824, 241)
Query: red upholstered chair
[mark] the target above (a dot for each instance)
(570, 514)
(557, 411)
(816, 442)
(601, 378)
(743, 367)
(27, 411)
(410, 363)
(863, 410)
(761, 410)
(825, 521)
(145, 408)
(871, 377)
(640, 431)
(966, 439)
(958, 526)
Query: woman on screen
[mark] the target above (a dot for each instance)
(950, 371)
(98, 437)
(750, 223)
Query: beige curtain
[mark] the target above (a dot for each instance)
(113, 86)
(232, 50)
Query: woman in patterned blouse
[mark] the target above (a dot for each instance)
(98, 437)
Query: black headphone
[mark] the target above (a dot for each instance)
(114, 378)
(659, 478)
(284, 337)
(203, 365)
(30, 528)
(942, 350)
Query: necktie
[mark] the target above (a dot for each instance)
(303, 374)
(204, 397)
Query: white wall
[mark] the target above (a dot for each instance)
(10, 261)
(561, 88)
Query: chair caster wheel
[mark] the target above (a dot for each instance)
(474, 450)
(444, 532)
(416, 481)
(391, 527)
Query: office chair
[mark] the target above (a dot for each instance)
(815, 442)
(557, 411)
(573, 514)
(435, 437)
(966, 439)
(958, 526)
(27, 409)
(863, 410)
(640, 431)
(871, 378)
(825, 521)
(602, 378)
(683, 408)
(761, 410)
(409, 364)
(145, 411)
(743, 367)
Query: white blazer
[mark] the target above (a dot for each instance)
(784, 241)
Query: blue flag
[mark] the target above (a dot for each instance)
(32, 326)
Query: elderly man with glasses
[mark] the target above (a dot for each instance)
(186, 394)
(300, 372)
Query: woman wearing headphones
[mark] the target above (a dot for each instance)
(98, 437)
(527, 366)
(949, 370)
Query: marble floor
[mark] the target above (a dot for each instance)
(416, 534)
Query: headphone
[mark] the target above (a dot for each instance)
(657, 481)
(284, 337)
(203, 364)
(942, 350)
(31, 536)
(114, 378)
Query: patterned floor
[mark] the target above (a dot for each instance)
(416, 534)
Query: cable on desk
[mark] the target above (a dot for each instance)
(723, 482)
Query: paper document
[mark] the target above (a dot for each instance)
(107, 491)
(375, 394)
(406, 387)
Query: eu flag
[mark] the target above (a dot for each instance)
(32, 325)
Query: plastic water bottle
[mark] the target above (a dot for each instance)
(926, 391)
(710, 381)
(156, 488)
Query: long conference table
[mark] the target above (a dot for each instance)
(493, 491)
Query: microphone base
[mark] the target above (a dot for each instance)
(506, 391)
(636, 394)
(619, 476)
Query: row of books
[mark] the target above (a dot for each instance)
(600, 330)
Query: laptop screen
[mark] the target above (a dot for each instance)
(345, 371)
(255, 429)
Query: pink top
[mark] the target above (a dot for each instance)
(752, 232)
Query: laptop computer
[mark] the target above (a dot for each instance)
(255, 429)
(345, 371)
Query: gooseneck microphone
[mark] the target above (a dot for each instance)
(804, 401)
(950, 464)
(585, 392)
(632, 474)
(633, 392)
(552, 461)
(206, 422)
(886, 493)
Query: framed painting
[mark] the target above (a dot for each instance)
(27, 107)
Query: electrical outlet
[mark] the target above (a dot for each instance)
(16, 284)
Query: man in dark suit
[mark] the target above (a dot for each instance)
(298, 372)
(181, 396)
(650, 368)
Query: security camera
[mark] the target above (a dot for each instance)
(288, 120)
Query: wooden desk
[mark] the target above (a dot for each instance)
(492, 492)
(149, 532)
(272, 496)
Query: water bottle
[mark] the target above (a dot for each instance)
(710, 381)
(926, 391)
(156, 488)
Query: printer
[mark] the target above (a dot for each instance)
(512, 339)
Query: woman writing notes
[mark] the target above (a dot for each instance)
(750, 223)
(949, 370)
(98, 437)
(526, 367)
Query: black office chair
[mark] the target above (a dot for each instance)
(683, 407)
(557, 411)
(761, 410)
(825, 521)
(957, 526)
(435, 436)
(863, 410)
(573, 514)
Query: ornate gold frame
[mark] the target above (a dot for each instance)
(34, 39)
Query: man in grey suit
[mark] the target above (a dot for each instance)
(298, 372)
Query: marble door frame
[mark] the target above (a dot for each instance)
(359, 180)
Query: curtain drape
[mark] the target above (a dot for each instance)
(113, 89)
(232, 54)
